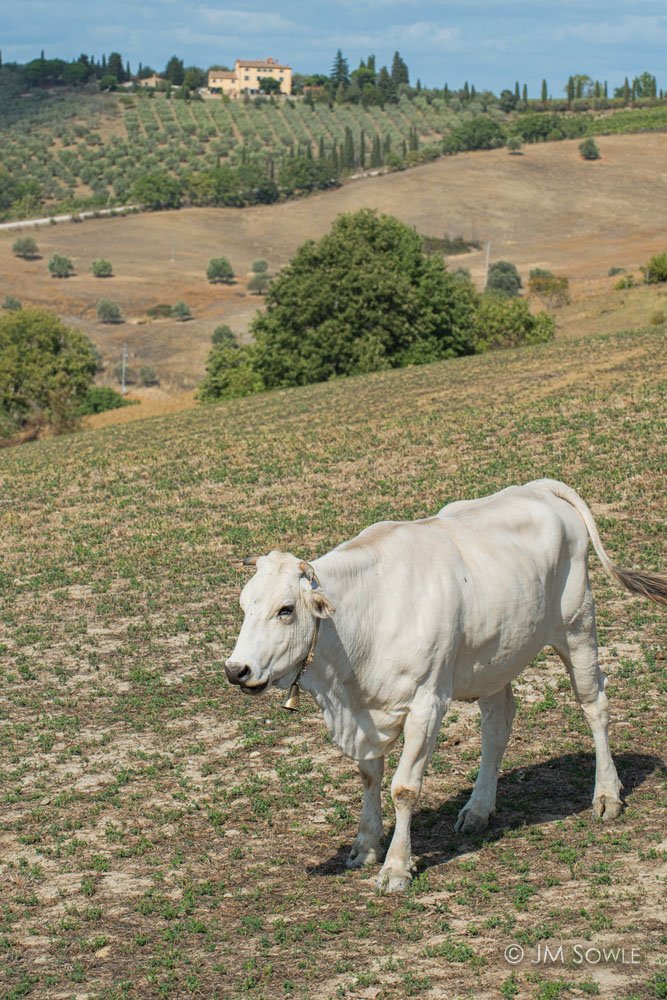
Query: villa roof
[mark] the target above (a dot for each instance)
(261, 64)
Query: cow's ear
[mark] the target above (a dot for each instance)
(319, 603)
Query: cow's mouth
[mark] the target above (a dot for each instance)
(255, 688)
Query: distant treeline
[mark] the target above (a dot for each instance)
(365, 85)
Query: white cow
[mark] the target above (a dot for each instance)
(389, 628)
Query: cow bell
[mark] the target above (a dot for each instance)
(291, 702)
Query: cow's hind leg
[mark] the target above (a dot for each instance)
(578, 650)
(420, 732)
(498, 711)
(367, 847)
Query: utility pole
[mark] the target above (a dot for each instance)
(486, 263)
(123, 389)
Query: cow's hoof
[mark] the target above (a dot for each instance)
(359, 857)
(606, 808)
(471, 822)
(390, 880)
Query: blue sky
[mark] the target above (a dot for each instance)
(490, 43)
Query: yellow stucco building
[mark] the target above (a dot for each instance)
(247, 73)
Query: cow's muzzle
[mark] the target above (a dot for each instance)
(237, 673)
(240, 673)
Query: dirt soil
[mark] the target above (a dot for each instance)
(545, 208)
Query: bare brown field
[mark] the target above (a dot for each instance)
(545, 208)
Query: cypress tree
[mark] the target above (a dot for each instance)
(340, 72)
(545, 92)
(517, 92)
(626, 91)
(606, 89)
(580, 87)
(321, 153)
(570, 90)
(348, 149)
(376, 152)
(362, 150)
(473, 92)
(399, 71)
(524, 96)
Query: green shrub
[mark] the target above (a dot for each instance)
(503, 277)
(26, 247)
(161, 311)
(102, 268)
(655, 271)
(108, 311)
(260, 266)
(11, 303)
(60, 266)
(181, 311)
(552, 290)
(589, 149)
(657, 319)
(224, 335)
(627, 282)
(476, 133)
(259, 283)
(100, 398)
(229, 374)
(148, 375)
(507, 322)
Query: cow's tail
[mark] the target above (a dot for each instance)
(649, 585)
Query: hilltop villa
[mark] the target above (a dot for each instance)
(247, 73)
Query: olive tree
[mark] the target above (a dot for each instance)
(60, 266)
(220, 270)
(102, 268)
(108, 311)
(504, 278)
(26, 247)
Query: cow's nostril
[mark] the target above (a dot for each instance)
(243, 673)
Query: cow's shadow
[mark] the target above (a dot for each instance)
(539, 793)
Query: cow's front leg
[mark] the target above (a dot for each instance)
(420, 732)
(367, 847)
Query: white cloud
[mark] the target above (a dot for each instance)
(626, 30)
(244, 22)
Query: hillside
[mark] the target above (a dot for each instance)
(546, 208)
(163, 836)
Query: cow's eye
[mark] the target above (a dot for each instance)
(286, 611)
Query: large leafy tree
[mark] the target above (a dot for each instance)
(157, 190)
(45, 368)
(365, 297)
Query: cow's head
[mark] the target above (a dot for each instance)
(281, 603)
